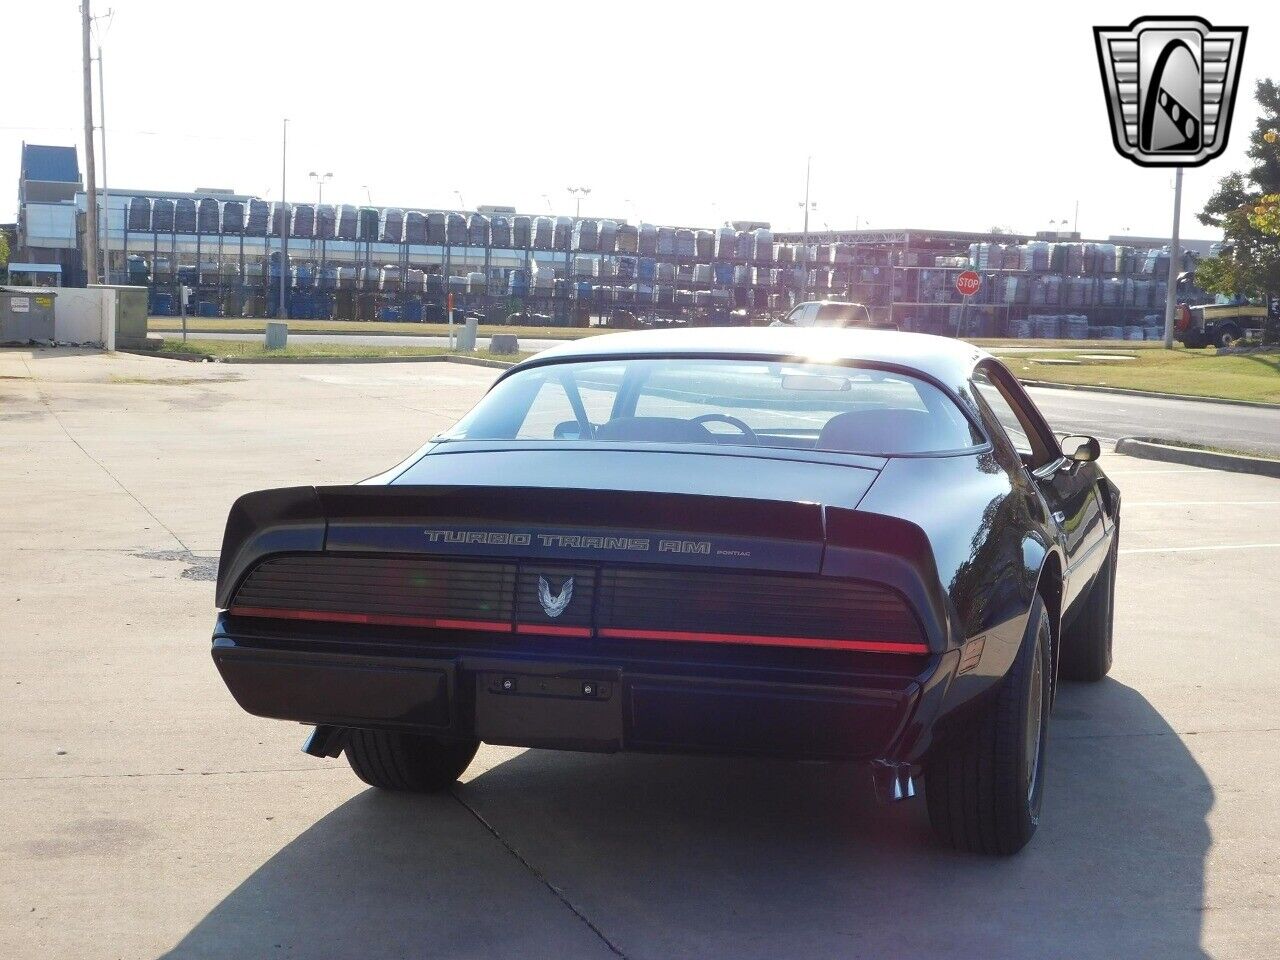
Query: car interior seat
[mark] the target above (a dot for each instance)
(654, 430)
(877, 430)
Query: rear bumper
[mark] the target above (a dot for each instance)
(576, 699)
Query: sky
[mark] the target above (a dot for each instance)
(915, 115)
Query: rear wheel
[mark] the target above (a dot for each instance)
(1227, 335)
(1086, 645)
(984, 787)
(407, 761)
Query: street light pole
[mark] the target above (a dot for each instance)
(319, 179)
(804, 243)
(808, 169)
(1175, 258)
(578, 193)
(284, 221)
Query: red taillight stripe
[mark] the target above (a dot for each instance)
(872, 646)
(553, 631)
(680, 636)
(386, 620)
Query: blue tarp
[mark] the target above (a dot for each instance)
(53, 164)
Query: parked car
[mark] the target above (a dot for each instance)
(827, 313)
(702, 541)
(530, 320)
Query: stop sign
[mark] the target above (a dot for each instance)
(968, 283)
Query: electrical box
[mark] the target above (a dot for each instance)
(26, 314)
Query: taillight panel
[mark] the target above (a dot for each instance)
(580, 600)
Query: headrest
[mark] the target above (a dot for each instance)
(654, 430)
(877, 431)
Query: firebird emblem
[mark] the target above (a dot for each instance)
(554, 605)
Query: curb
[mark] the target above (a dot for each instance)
(166, 332)
(202, 357)
(1125, 391)
(482, 362)
(188, 357)
(1150, 449)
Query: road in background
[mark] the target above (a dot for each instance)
(1106, 415)
(1114, 415)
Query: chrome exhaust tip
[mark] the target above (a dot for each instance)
(893, 781)
(325, 741)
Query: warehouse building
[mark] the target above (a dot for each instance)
(407, 263)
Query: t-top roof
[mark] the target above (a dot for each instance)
(946, 360)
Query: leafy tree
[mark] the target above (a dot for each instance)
(1246, 206)
(4, 252)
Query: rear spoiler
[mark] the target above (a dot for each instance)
(894, 552)
(282, 520)
(301, 519)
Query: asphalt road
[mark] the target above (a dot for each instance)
(1105, 415)
(1112, 415)
(147, 816)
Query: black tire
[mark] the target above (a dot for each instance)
(406, 761)
(1087, 643)
(1225, 336)
(984, 787)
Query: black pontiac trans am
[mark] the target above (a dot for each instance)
(847, 545)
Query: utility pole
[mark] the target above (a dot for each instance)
(284, 223)
(106, 195)
(91, 184)
(1175, 261)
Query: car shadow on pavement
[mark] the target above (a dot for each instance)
(678, 856)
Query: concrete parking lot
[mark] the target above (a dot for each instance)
(147, 816)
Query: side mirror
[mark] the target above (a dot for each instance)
(1081, 449)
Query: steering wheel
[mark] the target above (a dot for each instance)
(731, 421)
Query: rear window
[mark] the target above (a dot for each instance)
(708, 401)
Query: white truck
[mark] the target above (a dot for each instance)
(827, 313)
